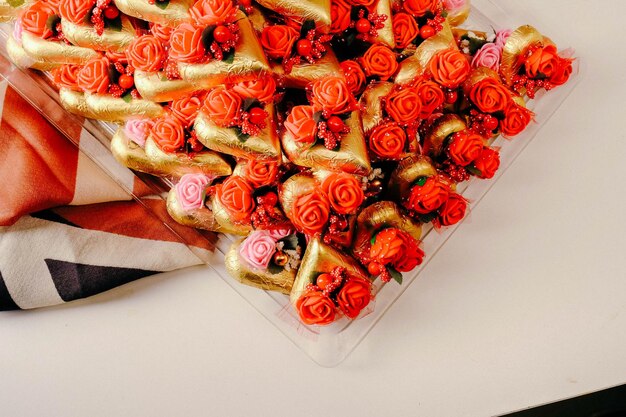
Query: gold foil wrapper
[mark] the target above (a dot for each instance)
(112, 109)
(378, 216)
(443, 127)
(293, 188)
(407, 172)
(514, 49)
(201, 218)
(351, 156)
(477, 75)
(131, 155)
(265, 280)
(257, 18)
(21, 59)
(417, 64)
(223, 218)
(179, 164)
(249, 58)
(318, 259)
(8, 12)
(155, 86)
(458, 17)
(385, 34)
(372, 114)
(303, 74)
(316, 10)
(75, 102)
(110, 40)
(55, 52)
(226, 140)
(176, 12)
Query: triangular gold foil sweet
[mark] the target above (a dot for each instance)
(351, 157)
(175, 13)
(111, 109)
(55, 52)
(407, 172)
(265, 145)
(224, 219)
(303, 74)
(75, 102)
(110, 39)
(293, 188)
(516, 46)
(201, 218)
(443, 127)
(21, 59)
(316, 10)
(155, 86)
(237, 268)
(320, 258)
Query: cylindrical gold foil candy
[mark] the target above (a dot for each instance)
(443, 127)
(303, 74)
(21, 59)
(249, 58)
(155, 86)
(176, 12)
(316, 10)
(293, 188)
(351, 156)
(320, 258)
(265, 280)
(55, 52)
(111, 109)
(110, 40)
(76, 103)
(201, 218)
(372, 114)
(266, 145)
(385, 34)
(223, 218)
(515, 47)
(379, 216)
(407, 172)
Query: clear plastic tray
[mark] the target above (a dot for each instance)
(327, 346)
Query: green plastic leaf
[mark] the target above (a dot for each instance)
(242, 136)
(307, 26)
(291, 242)
(127, 97)
(421, 181)
(207, 36)
(474, 43)
(229, 57)
(51, 22)
(162, 4)
(397, 276)
(474, 171)
(373, 240)
(114, 24)
(427, 218)
(274, 269)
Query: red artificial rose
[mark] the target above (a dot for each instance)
(212, 12)
(66, 76)
(426, 198)
(168, 133)
(332, 95)
(259, 88)
(278, 40)
(34, 19)
(315, 308)
(431, 97)
(516, 119)
(354, 296)
(490, 96)
(260, 173)
(387, 246)
(388, 141)
(405, 29)
(488, 163)
(379, 61)
(465, 147)
(452, 211)
(542, 62)
(449, 68)
(186, 109)
(344, 193)
(355, 77)
(76, 11)
(235, 195)
(93, 77)
(161, 32)
(419, 8)
(222, 106)
(186, 44)
(146, 53)
(412, 255)
(311, 213)
(366, 3)
(301, 125)
(562, 72)
(340, 16)
(404, 105)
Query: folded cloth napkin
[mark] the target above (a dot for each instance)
(67, 229)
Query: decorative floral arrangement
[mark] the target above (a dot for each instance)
(325, 134)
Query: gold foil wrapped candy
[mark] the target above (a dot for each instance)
(293, 188)
(9, 12)
(385, 34)
(351, 157)
(55, 52)
(316, 10)
(249, 58)
(265, 145)
(443, 127)
(155, 86)
(372, 114)
(201, 218)
(459, 16)
(238, 268)
(175, 13)
(407, 172)
(379, 216)
(303, 74)
(76, 103)
(223, 218)
(516, 46)
(21, 59)
(318, 259)
(110, 39)
(111, 109)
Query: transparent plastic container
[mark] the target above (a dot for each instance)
(327, 346)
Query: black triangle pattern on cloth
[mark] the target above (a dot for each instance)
(51, 216)
(74, 280)
(6, 302)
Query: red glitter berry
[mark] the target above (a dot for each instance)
(126, 81)
(222, 34)
(363, 25)
(304, 47)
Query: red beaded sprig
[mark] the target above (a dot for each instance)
(225, 38)
(482, 124)
(368, 27)
(310, 48)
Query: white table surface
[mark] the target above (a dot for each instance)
(526, 304)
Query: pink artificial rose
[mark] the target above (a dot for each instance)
(280, 233)
(137, 130)
(454, 5)
(258, 249)
(488, 56)
(502, 36)
(190, 190)
(17, 31)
